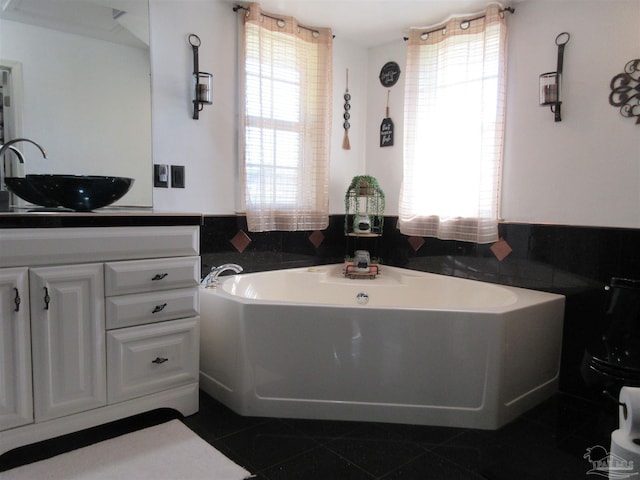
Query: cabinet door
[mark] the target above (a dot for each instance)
(16, 405)
(68, 339)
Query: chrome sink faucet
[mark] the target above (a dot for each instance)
(17, 152)
(211, 280)
(8, 146)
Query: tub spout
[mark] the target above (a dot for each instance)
(211, 280)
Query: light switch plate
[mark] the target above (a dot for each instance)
(177, 176)
(160, 175)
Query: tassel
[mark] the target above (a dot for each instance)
(345, 141)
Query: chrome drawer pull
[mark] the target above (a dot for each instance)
(17, 300)
(159, 308)
(159, 276)
(160, 360)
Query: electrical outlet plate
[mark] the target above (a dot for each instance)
(160, 175)
(177, 176)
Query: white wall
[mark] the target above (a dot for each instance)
(208, 146)
(385, 163)
(345, 164)
(584, 170)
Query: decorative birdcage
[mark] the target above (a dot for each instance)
(364, 207)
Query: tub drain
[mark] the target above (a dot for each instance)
(362, 298)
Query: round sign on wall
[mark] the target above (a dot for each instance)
(389, 74)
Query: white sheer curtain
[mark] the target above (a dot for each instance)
(455, 87)
(285, 115)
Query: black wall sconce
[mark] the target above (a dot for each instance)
(202, 94)
(551, 82)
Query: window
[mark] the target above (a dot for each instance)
(454, 123)
(286, 104)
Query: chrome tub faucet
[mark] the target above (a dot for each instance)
(211, 280)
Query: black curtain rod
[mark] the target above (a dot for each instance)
(469, 20)
(277, 19)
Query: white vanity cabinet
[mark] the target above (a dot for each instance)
(16, 406)
(106, 326)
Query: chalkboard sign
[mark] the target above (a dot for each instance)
(386, 132)
(389, 74)
(386, 127)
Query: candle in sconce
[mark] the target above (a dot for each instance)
(551, 93)
(203, 88)
(202, 94)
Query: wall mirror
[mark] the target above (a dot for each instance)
(78, 77)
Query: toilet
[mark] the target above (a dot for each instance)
(612, 358)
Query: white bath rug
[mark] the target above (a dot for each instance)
(164, 452)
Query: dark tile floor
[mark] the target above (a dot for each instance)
(547, 443)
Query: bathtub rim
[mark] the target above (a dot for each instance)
(525, 297)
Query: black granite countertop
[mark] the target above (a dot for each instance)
(104, 217)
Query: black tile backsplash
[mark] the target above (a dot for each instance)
(554, 258)
(574, 261)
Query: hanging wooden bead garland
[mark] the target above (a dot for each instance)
(346, 125)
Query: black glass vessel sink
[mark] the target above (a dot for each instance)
(76, 192)
(81, 192)
(25, 190)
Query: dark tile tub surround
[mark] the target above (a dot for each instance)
(553, 258)
(573, 261)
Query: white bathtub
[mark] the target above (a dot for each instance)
(424, 349)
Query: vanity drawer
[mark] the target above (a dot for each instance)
(143, 308)
(152, 358)
(151, 275)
